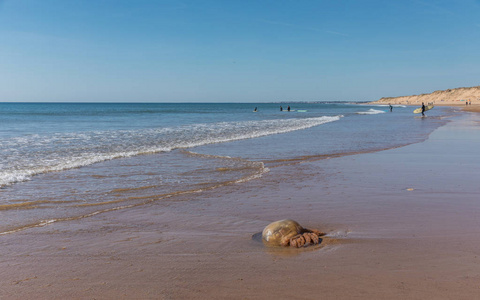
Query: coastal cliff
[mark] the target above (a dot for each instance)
(447, 97)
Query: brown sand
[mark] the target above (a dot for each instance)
(450, 97)
(402, 224)
(472, 108)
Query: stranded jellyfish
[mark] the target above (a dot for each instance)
(290, 233)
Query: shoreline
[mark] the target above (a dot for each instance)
(474, 107)
(384, 240)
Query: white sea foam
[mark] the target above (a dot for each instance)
(371, 112)
(382, 105)
(23, 157)
(386, 105)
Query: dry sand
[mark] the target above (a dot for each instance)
(401, 223)
(450, 97)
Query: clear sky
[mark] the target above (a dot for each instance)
(235, 51)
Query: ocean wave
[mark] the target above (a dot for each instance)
(371, 111)
(386, 105)
(23, 157)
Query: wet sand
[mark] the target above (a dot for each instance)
(401, 223)
(472, 108)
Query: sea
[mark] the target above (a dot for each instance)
(66, 161)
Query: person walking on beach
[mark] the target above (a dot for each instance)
(423, 109)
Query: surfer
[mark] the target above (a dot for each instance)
(288, 108)
(255, 109)
(281, 108)
(391, 107)
(423, 109)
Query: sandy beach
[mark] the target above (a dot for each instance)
(145, 146)
(472, 108)
(401, 224)
(463, 96)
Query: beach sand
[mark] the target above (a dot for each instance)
(449, 97)
(472, 108)
(402, 224)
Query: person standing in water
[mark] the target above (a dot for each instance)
(391, 107)
(281, 108)
(288, 108)
(423, 109)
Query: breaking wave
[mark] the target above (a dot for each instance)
(23, 157)
(371, 112)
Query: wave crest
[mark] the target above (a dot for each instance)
(37, 154)
(371, 111)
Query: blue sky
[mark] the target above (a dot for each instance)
(235, 51)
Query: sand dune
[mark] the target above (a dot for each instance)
(457, 96)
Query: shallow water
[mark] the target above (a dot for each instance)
(66, 161)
